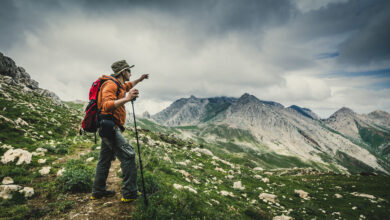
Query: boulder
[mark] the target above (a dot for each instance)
(338, 196)
(51, 95)
(5, 146)
(267, 197)
(89, 159)
(282, 217)
(203, 151)
(258, 169)
(7, 180)
(23, 155)
(238, 185)
(60, 172)
(27, 191)
(21, 122)
(302, 194)
(6, 190)
(44, 171)
(226, 193)
(42, 161)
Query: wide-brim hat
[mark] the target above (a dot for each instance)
(119, 66)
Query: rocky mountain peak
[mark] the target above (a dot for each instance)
(379, 113)
(247, 98)
(146, 114)
(343, 112)
(13, 75)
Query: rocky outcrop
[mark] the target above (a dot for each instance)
(22, 155)
(14, 75)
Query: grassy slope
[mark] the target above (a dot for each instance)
(161, 174)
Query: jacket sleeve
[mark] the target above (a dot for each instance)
(108, 96)
(129, 85)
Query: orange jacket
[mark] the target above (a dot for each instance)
(107, 97)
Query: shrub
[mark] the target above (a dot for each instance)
(151, 184)
(76, 178)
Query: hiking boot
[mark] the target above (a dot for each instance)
(131, 199)
(99, 195)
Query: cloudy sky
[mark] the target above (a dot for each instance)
(319, 54)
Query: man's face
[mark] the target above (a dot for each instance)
(127, 74)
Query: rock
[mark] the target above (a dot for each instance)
(44, 171)
(258, 169)
(6, 190)
(220, 169)
(238, 185)
(203, 151)
(181, 163)
(302, 194)
(42, 161)
(184, 173)
(338, 196)
(282, 217)
(27, 191)
(108, 204)
(268, 197)
(60, 172)
(177, 186)
(5, 146)
(39, 149)
(7, 180)
(21, 122)
(51, 95)
(226, 193)
(23, 155)
(38, 154)
(89, 159)
(363, 195)
(354, 208)
(229, 177)
(190, 189)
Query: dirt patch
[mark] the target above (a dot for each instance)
(105, 208)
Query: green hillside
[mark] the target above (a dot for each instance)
(189, 178)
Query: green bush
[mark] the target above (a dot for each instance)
(59, 149)
(151, 184)
(76, 178)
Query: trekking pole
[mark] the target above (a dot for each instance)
(139, 157)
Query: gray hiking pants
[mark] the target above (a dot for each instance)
(120, 148)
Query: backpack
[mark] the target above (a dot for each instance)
(90, 121)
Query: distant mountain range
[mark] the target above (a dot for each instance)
(346, 140)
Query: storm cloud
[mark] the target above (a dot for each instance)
(293, 52)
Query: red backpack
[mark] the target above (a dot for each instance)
(90, 122)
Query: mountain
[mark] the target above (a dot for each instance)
(291, 131)
(305, 112)
(192, 110)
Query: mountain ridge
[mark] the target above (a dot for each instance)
(283, 129)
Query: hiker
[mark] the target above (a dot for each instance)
(111, 103)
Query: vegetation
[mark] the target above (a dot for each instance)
(181, 179)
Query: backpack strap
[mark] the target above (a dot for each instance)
(118, 85)
(117, 94)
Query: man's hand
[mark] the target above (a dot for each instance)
(144, 76)
(132, 94)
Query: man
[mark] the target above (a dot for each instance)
(111, 102)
